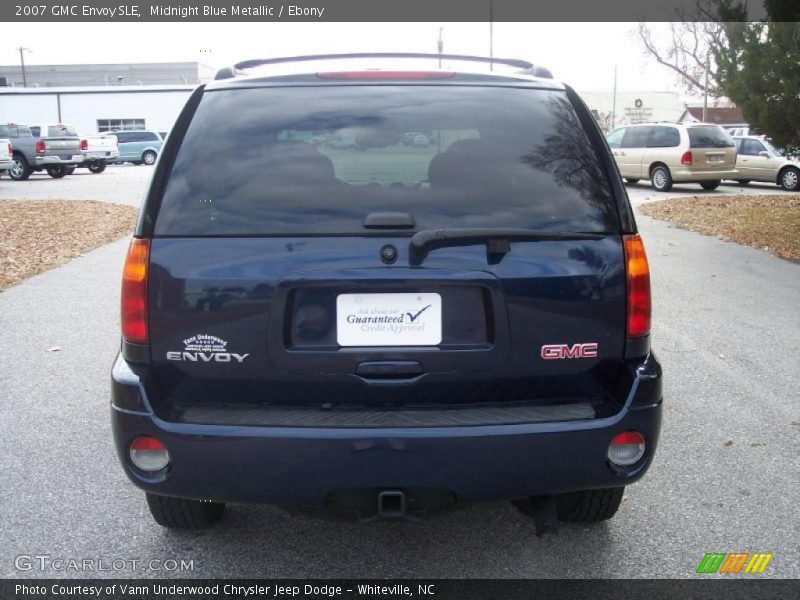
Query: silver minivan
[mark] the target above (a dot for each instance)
(667, 153)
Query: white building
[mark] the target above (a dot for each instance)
(96, 109)
(633, 107)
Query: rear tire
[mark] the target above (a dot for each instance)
(56, 172)
(70, 170)
(742, 181)
(149, 157)
(661, 178)
(97, 166)
(179, 513)
(790, 179)
(20, 169)
(589, 506)
(710, 185)
(629, 180)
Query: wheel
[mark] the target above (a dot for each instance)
(661, 178)
(97, 166)
(179, 513)
(20, 169)
(790, 179)
(629, 180)
(710, 185)
(589, 506)
(149, 157)
(56, 172)
(742, 181)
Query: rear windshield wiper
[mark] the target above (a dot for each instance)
(497, 239)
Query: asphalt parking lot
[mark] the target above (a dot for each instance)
(725, 478)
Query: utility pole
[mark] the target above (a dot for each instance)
(22, 51)
(705, 90)
(491, 33)
(440, 46)
(614, 100)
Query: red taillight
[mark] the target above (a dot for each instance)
(84, 144)
(134, 293)
(386, 75)
(637, 274)
(40, 147)
(149, 454)
(686, 159)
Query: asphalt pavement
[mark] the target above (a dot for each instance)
(725, 478)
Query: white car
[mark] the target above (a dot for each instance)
(758, 160)
(5, 155)
(98, 151)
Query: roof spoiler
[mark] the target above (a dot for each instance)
(240, 67)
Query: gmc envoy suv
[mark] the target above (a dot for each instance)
(379, 327)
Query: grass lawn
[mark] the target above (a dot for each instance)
(771, 223)
(37, 235)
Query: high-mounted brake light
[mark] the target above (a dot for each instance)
(84, 144)
(134, 293)
(637, 273)
(686, 159)
(386, 75)
(40, 147)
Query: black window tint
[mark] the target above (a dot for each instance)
(36, 130)
(664, 137)
(123, 137)
(636, 137)
(148, 136)
(319, 159)
(709, 137)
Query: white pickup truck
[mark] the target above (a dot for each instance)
(5, 155)
(97, 151)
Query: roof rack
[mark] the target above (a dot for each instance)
(238, 68)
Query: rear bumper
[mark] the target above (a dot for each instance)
(100, 155)
(46, 161)
(302, 466)
(688, 175)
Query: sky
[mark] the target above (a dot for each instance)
(581, 54)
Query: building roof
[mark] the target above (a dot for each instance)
(728, 115)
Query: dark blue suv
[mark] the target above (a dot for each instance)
(318, 312)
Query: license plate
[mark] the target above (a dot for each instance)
(715, 159)
(389, 319)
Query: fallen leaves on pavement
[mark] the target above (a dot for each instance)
(37, 235)
(767, 222)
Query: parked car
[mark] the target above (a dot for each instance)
(386, 332)
(5, 155)
(667, 153)
(758, 160)
(137, 147)
(53, 147)
(98, 151)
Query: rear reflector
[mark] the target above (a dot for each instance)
(686, 159)
(134, 293)
(149, 454)
(637, 275)
(626, 448)
(386, 75)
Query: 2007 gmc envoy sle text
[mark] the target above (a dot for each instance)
(387, 291)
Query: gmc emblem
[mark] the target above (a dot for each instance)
(559, 351)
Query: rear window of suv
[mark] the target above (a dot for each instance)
(318, 160)
(709, 137)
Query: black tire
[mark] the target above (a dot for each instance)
(661, 178)
(71, 170)
(710, 185)
(589, 506)
(97, 166)
(20, 169)
(790, 179)
(742, 181)
(629, 180)
(149, 157)
(179, 513)
(136, 162)
(57, 171)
